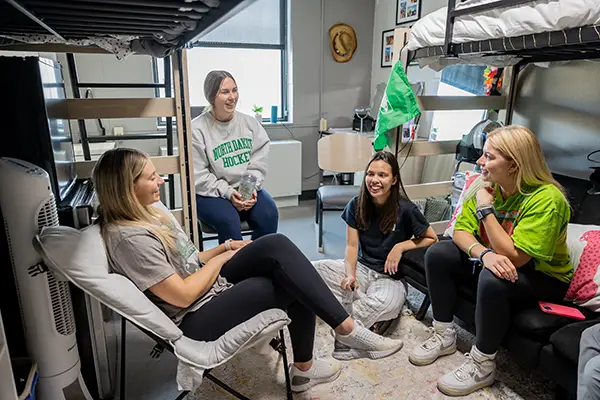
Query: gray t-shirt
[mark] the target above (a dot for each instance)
(138, 254)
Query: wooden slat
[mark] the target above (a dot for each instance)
(422, 148)
(438, 103)
(425, 190)
(111, 108)
(164, 165)
(185, 182)
(189, 155)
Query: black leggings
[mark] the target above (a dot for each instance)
(447, 266)
(270, 272)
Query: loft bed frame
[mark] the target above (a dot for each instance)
(575, 43)
(160, 28)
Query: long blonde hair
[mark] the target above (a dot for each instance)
(519, 145)
(114, 176)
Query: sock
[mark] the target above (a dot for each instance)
(479, 356)
(443, 326)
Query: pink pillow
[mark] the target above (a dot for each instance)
(584, 248)
(470, 177)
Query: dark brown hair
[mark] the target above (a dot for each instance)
(365, 210)
(212, 84)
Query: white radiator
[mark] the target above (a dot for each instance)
(284, 174)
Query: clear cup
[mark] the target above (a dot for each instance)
(247, 186)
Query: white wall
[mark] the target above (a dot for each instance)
(345, 86)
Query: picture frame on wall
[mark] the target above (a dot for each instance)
(387, 48)
(407, 11)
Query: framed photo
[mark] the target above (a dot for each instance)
(407, 11)
(387, 48)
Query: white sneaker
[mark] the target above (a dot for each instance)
(362, 343)
(321, 371)
(441, 342)
(477, 372)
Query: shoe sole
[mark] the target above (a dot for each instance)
(462, 392)
(422, 362)
(354, 354)
(315, 382)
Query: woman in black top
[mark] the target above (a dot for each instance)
(382, 223)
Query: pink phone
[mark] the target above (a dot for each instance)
(561, 310)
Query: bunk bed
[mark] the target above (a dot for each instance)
(158, 28)
(509, 35)
(507, 32)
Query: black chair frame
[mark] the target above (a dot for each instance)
(278, 345)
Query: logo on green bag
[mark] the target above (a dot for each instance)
(224, 151)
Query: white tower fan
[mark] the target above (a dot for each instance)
(27, 204)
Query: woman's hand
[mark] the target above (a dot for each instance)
(392, 260)
(500, 266)
(238, 244)
(236, 200)
(349, 283)
(225, 256)
(485, 195)
(248, 204)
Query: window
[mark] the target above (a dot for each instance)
(251, 46)
(458, 80)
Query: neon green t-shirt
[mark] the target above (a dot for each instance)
(536, 222)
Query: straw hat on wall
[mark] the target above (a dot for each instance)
(342, 40)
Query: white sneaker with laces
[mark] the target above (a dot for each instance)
(321, 371)
(362, 343)
(441, 342)
(477, 372)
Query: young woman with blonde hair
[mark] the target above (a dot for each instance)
(208, 293)
(509, 239)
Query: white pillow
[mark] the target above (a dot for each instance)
(584, 249)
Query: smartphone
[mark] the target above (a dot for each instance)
(564, 311)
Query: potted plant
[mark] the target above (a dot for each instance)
(258, 113)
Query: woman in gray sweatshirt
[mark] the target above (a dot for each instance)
(227, 144)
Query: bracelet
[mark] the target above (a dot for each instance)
(471, 248)
(228, 244)
(483, 253)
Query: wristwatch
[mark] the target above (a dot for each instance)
(482, 212)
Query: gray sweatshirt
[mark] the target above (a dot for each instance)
(224, 151)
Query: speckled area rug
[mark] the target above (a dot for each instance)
(259, 374)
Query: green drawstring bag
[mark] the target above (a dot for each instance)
(398, 106)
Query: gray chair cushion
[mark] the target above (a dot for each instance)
(337, 195)
(208, 229)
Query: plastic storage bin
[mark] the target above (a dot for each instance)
(26, 377)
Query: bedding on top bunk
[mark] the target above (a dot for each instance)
(526, 19)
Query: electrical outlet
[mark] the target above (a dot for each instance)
(118, 131)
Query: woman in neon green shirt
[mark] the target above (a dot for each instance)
(511, 237)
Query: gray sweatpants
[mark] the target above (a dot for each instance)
(379, 297)
(588, 384)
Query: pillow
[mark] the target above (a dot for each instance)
(470, 177)
(584, 249)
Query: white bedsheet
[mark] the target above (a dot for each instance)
(534, 17)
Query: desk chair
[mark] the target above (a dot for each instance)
(80, 258)
(340, 153)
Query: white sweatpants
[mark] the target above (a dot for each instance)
(379, 297)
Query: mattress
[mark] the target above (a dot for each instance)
(526, 19)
